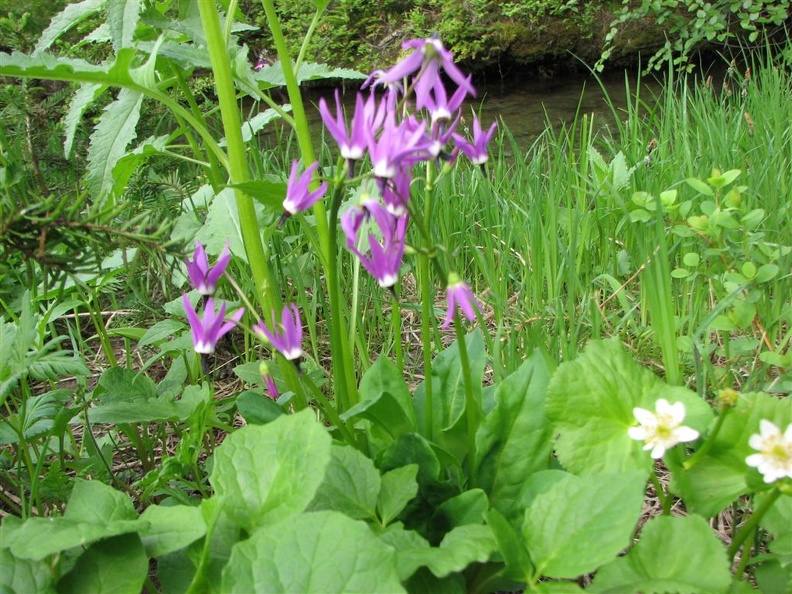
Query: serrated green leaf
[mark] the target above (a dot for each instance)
(590, 401)
(579, 523)
(117, 565)
(254, 125)
(268, 192)
(68, 18)
(122, 19)
(112, 135)
(119, 384)
(312, 552)
(398, 487)
(265, 473)
(721, 475)
(351, 485)
(131, 160)
(273, 76)
(674, 554)
(515, 439)
(171, 528)
(80, 101)
(93, 502)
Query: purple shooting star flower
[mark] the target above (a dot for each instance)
(208, 330)
(385, 259)
(298, 197)
(460, 297)
(202, 276)
(477, 150)
(352, 144)
(287, 335)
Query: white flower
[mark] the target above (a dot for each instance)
(774, 459)
(662, 430)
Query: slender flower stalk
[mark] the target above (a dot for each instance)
(202, 276)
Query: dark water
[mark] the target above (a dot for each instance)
(526, 106)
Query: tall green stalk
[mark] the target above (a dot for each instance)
(237, 159)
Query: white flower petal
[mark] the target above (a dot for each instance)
(658, 451)
(685, 434)
(638, 433)
(754, 460)
(645, 417)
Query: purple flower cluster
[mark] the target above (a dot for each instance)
(210, 326)
(414, 119)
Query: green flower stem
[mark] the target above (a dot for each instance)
(665, 500)
(330, 412)
(707, 445)
(397, 335)
(292, 379)
(237, 158)
(343, 364)
(300, 121)
(473, 410)
(749, 527)
(426, 338)
(198, 584)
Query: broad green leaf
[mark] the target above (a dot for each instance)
(69, 17)
(112, 135)
(254, 125)
(312, 552)
(95, 511)
(85, 95)
(24, 576)
(351, 485)
(266, 190)
(406, 543)
(256, 408)
(700, 186)
(93, 502)
(778, 522)
(511, 546)
(143, 411)
(171, 528)
(466, 508)
(591, 399)
(265, 473)
(162, 330)
(515, 439)
(117, 565)
(122, 19)
(773, 578)
(459, 548)
(580, 523)
(131, 160)
(384, 377)
(222, 224)
(424, 582)
(413, 448)
(398, 487)
(674, 554)
(722, 475)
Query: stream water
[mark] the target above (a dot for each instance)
(526, 106)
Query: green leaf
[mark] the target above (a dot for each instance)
(85, 95)
(459, 548)
(398, 487)
(413, 448)
(69, 17)
(122, 19)
(351, 485)
(256, 408)
(700, 186)
(273, 76)
(265, 473)
(407, 543)
(469, 507)
(171, 528)
(312, 552)
(675, 554)
(162, 330)
(423, 582)
(131, 160)
(512, 548)
(766, 272)
(515, 439)
(721, 475)
(112, 135)
(579, 523)
(23, 576)
(267, 191)
(591, 401)
(117, 565)
(778, 522)
(94, 512)
(254, 125)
